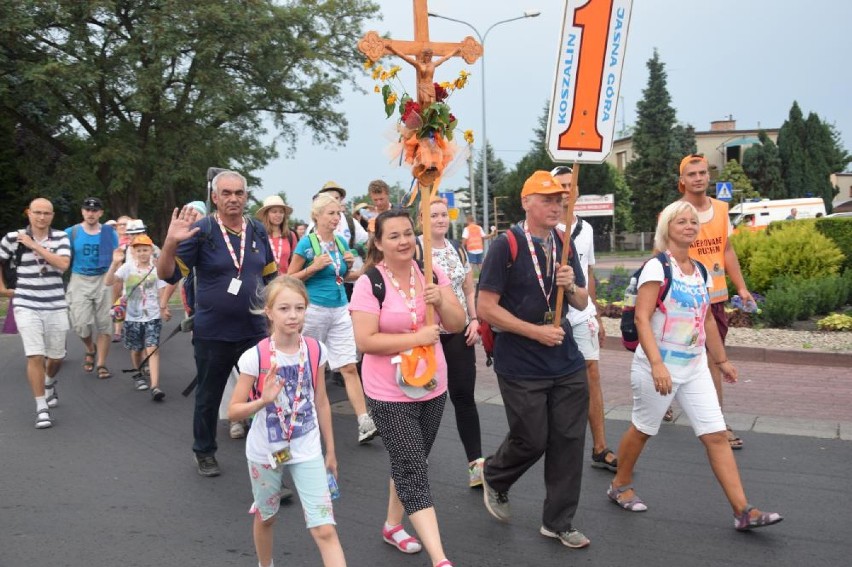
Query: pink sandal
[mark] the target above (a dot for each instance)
(399, 538)
(444, 563)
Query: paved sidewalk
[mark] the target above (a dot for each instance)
(790, 399)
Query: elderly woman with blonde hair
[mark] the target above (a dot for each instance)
(323, 261)
(671, 361)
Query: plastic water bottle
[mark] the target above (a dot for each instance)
(333, 489)
(749, 306)
(630, 294)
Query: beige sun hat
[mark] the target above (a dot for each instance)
(274, 201)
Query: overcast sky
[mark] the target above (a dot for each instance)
(747, 59)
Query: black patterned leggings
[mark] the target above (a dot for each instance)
(408, 430)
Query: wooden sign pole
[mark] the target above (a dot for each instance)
(566, 246)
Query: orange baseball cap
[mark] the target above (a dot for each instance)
(542, 183)
(142, 240)
(691, 158)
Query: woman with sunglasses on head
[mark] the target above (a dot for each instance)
(407, 416)
(458, 347)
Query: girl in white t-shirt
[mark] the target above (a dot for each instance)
(283, 379)
(671, 361)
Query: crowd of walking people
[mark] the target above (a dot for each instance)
(272, 309)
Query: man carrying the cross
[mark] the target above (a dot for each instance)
(540, 370)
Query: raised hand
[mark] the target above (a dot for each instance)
(180, 227)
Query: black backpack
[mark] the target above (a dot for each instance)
(629, 333)
(377, 282)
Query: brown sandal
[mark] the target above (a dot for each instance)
(735, 442)
(89, 360)
(104, 373)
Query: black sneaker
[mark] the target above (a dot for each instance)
(157, 395)
(207, 466)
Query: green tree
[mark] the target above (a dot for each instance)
(733, 172)
(762, 164)
(659, 144)
(147, 95)
(811, 150)
(791, 149)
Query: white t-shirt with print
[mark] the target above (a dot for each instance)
(266, 434)
(679, 331)
(143, 301)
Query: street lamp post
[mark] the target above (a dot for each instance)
(482, 37)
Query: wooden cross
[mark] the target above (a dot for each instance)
(419, 52)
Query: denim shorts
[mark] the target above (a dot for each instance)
(138, 335)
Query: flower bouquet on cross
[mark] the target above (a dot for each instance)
(425, 125)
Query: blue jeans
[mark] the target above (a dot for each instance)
(213, 363)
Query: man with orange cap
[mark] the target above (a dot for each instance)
(540, 370)
(713, 249)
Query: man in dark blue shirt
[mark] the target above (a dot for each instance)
(232, 261)
(540, 370)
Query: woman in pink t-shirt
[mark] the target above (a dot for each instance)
(407, 417)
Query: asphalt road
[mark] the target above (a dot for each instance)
(113, 483)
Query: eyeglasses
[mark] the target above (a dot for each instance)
(42, 213)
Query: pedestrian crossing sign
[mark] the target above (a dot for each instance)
(724, 190)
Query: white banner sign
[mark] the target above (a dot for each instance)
(581, 124)
(595, 205)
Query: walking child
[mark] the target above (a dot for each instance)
(283, 379)
(144, 319)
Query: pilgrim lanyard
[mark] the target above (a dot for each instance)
(238, 264)
(410, 301)
(536, 265)
(303, 348)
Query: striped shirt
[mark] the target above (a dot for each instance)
(40, 285)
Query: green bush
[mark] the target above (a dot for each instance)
(836, 322)
(781, 307)
(797, 250)
(745, 243)
(839, 231)
(612, 289)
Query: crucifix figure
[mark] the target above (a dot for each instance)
(419, 52)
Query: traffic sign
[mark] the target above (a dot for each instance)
(724, 190)
(449, 197)
(581, 123)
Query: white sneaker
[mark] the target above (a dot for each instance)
(366, 429)
(238, 430)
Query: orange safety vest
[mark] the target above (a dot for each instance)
(474, 238)
(709, 249)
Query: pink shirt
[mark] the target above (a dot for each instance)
(378, 374)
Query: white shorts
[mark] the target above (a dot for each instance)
(696, 396)
(43, 332)
(332, 326)
(586, 337)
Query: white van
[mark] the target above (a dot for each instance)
(756, 215)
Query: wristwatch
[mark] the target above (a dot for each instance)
(571, 288)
